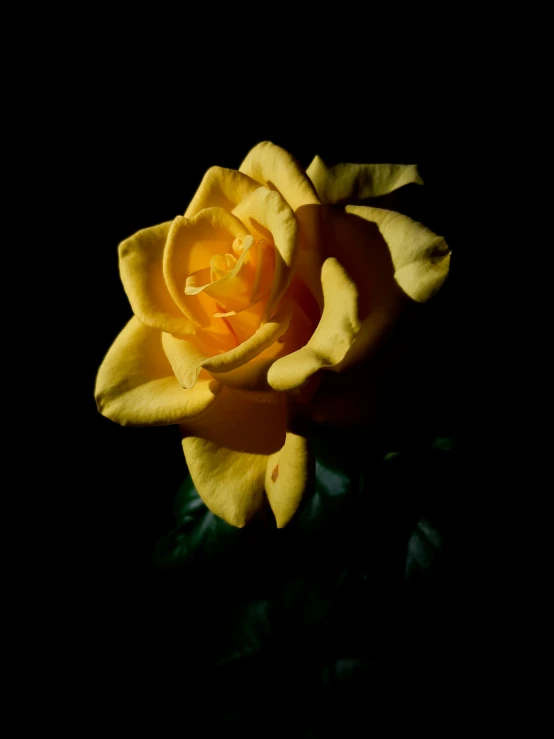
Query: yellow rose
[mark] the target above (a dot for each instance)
(269, 279)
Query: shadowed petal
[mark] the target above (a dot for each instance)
(421, 259)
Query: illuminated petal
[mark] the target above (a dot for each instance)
(228, 280)
(227, 453)
(190, 246)
(187, 360)
(230, 483)
(286, 478)
(421, 258)
(246, 322)
(349, 183)
(240, 291)
(141, 269)
(135, 385)
(221, 188)
(269, 210)
(278, 170)
(252, 375)
(264, 337)
(334, 335)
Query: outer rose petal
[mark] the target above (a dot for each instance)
(278, 170)
(227, 451)
(386, 263)
(334, 335)
(187, 361)
(421, 258)
(360, 299)
(269, 210)
(365, 256)
(222, 188)
(230, 483)
(348, 183)
(141, 269)
(135, 385)
(252, 374)
(287, 477)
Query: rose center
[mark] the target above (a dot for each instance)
(235, 281)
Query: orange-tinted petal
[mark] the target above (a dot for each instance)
(190, 246)
(187, 360)
(264, 337)
(252, 375)
(270, 211)
(228, 280)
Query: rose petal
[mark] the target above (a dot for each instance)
(230, 483)
(264, 337)
(135, 385)
(190, 246)
(246, 322)
(230, 287)
(220, 188)
(309, 256)
(278, 170)
(286, 478)
(347, 183)
(363, 253)
(421, 258)
(334, 335)
(187, 360)
(227, 453)
(386, 260)
(252, 375)
(141, 269)
(269, 210)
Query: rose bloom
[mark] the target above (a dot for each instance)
(269, 280)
